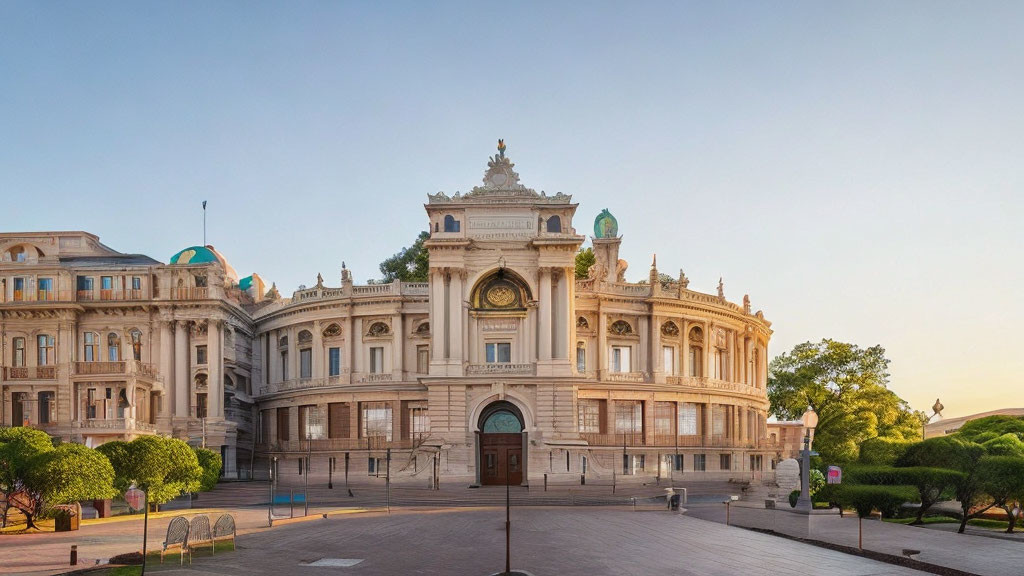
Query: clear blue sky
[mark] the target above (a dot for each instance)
(856, 168)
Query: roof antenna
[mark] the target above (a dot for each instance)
(204, 222)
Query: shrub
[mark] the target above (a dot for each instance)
(211, 465)
(1006, 445)
(793, 497)
(865, 498)
(882, 451)
(163, 467)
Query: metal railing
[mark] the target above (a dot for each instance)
(30, 372)
(638, 439)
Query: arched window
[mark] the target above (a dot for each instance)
(44, 343)
(620, 327)
(136, 337)
(90, 352)
(332, 331)
(555, 224)
(378, 329)
(283, 342)
(423, 329)
(451, 224)
(19, 352)
(582, 323)
(696, 352)
(113, 348)
(502, 422)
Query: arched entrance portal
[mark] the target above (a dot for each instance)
(502, 445)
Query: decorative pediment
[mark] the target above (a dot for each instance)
(500, 182)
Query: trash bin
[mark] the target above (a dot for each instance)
(673, 502)
(66, 518)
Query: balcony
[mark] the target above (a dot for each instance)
(637, 439)
(117, 425)
(193, 293)
(122, 368)
(42, 296)
(507, 369)
(714, 384)
(303, 384)
(341, 444)
(30, 372)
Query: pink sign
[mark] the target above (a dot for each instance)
(835, 475)
(135, 498)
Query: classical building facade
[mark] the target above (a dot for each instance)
(503, 367)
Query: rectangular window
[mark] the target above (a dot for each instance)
(725, 462)
(19, 289)
(420, 420)
(45, 407)
(499, 352)
(629, 417)
(305, 363)
(589, 416)
(695, 365)
(201, 354)
(106, 282)
(620, 359)
(677, 462)
(44, 287)
(699, 462)
(718, 421)
(283, 432)
(669, 357)
(264, 429)
(581, 359)
(633, 463)
(664, 419)
(90, 403)
(284, 365)
(687, 424)
(755, 462)
(19, 352)
(339, 422)
(311, 420)
(376, 360)
(136, 283)
(423, 359)
(333, 361)
(200, 405)
(376, 420)
(376, 467)
(45, 345)
(84, 284)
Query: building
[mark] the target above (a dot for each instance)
(946, 426)
(502, 367)
(787, 438)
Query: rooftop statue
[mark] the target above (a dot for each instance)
(605, 225)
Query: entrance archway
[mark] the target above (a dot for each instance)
(501, 445)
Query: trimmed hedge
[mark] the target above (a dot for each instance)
(864, 498)
(882, 451)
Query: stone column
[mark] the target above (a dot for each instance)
(602, 344)
(293, 353)
(273, 358)
(348, 359)
(318, 351)
(708, 353)
(545, 314)
(166, 369)
(657, 356)
(563, 320)
(455, 313)
(215, 356)
(437, 334)
(684, 354)
(398, 348)
(181, 369)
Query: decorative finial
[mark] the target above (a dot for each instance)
(501, 148)
(721, 288)
(746, 303)
(938, 407)
(654, 263)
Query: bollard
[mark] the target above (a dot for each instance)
(545, 482)
(291, 502)
(583, 479)
(74, 554)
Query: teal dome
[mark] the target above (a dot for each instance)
(245, 283)
(195, 255)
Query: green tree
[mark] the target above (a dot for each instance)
(957, 454)
(19, 446)
(1006, 445)
(882, 451)
(989, 427)
(66, 474)
(162, 467)
(585, 258)
(865, 498)
(410, 264)
(1003, 481)
(846, 386)
(211, 464)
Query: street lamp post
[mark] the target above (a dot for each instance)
(937, 409)
(810, 420)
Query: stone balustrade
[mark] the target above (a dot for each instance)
(509, 369)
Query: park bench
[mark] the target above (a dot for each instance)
(224, 529)
(177, 537)
(198, 533)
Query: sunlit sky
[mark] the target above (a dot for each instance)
(854, 167)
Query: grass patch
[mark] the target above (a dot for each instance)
(986, 523)
(926, 520)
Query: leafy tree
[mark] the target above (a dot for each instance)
(932, 484)
(1006, 445)
(864, 498)
(211, 464)
(66, 474)
(957, 454)
(585, 258)
(989, 427)
(882, 451)
(1003, 480)
(162, 467)
(410, 264)
(19, 446)
(846, 386)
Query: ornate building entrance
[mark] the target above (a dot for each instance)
(501, 444)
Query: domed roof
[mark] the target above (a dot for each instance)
(204, 255)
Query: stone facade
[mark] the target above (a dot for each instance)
(503, 364)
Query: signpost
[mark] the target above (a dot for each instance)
(835, 475)
(137, 499)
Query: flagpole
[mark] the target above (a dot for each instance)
(204, 222)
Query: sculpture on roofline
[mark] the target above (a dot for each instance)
(721, 288)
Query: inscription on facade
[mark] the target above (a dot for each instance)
(499, 325)
(501, 227)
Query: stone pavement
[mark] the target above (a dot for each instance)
(545, 542)
(969, 553)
